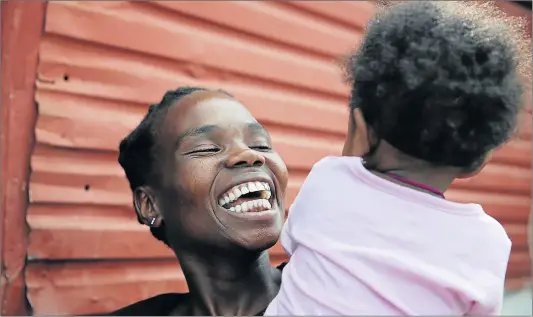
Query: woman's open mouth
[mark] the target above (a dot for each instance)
(247, 197)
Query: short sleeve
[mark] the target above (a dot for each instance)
(492, 305)
(480, 310)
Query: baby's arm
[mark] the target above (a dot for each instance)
(497, 259)
(493, 310)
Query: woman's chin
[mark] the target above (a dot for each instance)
(255, 231)
(260, 244)
(260, 239)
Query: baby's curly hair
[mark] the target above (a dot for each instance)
(441, 81)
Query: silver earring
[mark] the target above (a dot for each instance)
(153, 220)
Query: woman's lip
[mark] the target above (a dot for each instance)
(259, 215)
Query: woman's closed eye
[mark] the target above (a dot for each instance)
(205, 149)
(261, 147)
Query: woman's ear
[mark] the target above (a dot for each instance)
(356, 143)
(146, 207)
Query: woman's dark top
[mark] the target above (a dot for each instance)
(162, 305)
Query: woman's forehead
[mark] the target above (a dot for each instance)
(219, 110)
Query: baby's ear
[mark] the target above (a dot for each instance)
(474, 172)
(357, 142)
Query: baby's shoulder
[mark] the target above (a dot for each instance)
(491, 232)
(331, 161)
(332, 172)
(331, 181)
(336, 164)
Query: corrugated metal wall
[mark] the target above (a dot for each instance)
(102, 63)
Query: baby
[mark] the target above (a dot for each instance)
(435, 89)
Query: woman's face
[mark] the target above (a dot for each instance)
(222, 185)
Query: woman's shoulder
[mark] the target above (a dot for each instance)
(160, 305)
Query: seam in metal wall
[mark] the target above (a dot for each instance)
(22, 26)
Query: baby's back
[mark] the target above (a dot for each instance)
(360, 244)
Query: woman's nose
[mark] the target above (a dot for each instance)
(245, 157)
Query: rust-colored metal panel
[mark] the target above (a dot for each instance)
(171, 38)
(353, 14)
(275, 24)
(94, 86)
(22, 25)
(96, 288)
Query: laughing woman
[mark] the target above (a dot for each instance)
(207, 182)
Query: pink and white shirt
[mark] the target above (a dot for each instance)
(362, 245)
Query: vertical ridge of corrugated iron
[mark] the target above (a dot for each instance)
(102, 63)
(22, 26)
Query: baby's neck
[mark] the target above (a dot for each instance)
(389, 160)
(435, 179)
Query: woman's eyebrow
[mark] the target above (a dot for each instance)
(196, 131)
(257, 128)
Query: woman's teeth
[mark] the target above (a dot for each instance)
(252, 206)
(247, 204)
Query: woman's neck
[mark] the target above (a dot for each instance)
(229, 285)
